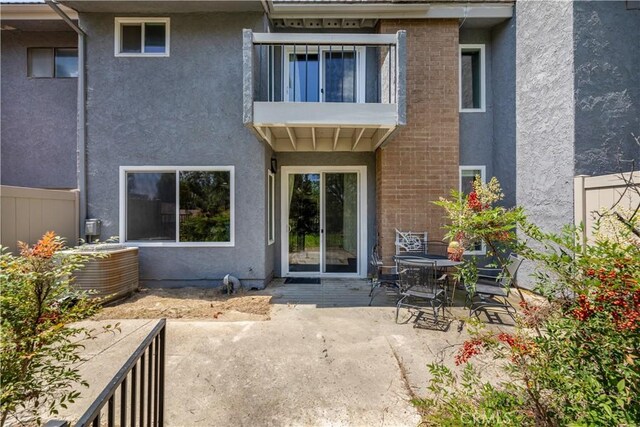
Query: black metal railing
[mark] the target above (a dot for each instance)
(329, 72)
(135, 395)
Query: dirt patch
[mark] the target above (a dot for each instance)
(189, 303)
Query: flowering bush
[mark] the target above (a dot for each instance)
(573, 359)
(38, 348)
(479, 218)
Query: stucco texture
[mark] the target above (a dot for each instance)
(545, 115)
(38, 116)
(476, 128)
(181, 110)
(607, 86)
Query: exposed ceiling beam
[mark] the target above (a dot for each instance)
(265, 133)
(335, 137)
(384, 136)
(357, 135)
(292, 137)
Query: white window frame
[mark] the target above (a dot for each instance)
(271, 209)
(175, 169)
(360, 69)
(117, 45)
(483, 66)
(483, 179)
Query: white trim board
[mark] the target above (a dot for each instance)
(362, 219)
(122, 209)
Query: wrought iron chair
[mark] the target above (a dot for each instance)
(382, 276)
(408, 242)
(421, 288)
(491, 290)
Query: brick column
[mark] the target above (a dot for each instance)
(420, 164)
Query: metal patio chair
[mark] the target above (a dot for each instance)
(382, 276)
(421, 288)
(492, 289)
(408, 242)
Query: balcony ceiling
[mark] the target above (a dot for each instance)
(325, 138)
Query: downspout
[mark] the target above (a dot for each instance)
(81, 176)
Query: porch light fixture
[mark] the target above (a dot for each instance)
(274, 165)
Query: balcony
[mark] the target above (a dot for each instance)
(324, 92)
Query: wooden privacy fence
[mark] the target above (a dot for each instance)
(27, 213)
(593, 193)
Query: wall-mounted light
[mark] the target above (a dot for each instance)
(274, 165)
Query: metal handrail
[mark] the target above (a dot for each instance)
(155, 340)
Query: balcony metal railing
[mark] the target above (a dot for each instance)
(324, 92)
(344, 68)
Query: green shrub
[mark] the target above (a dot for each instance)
(38, 348)
(574, 359)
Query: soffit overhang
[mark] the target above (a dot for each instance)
(165, 6)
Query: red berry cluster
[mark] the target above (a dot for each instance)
(473, 202)
(519, 346)
(531, 313)
(616, 294)
(469, 349)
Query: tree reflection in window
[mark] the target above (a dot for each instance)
(205, 206)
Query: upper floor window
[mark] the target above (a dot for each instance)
(142, 37)
(43, 62)
(472, 78)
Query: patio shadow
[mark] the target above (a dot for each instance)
(328, 294)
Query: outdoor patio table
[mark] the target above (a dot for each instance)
(438, 262)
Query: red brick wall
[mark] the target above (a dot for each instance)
(420, 163)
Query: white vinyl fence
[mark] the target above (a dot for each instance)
(28, 213)
(593, 193)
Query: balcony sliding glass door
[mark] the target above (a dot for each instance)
(324, 74)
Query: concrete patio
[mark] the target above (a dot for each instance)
(324, 359)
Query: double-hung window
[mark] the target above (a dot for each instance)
(142, 36)
(177, 206)
(468, 175)
(472, 78)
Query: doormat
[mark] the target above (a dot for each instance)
(302, 280)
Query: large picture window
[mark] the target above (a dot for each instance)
(181, 206)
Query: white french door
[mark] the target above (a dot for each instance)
(324, 221)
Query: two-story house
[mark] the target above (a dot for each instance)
(283, 138)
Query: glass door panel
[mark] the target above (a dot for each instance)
(341, 222)
(340, 76)
(304, 79)
(304, 222)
